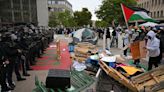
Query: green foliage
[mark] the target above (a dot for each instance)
(66, 19)
(53, 20)
(62, 18)
(83, 17)
(111, 10)
(101, 23)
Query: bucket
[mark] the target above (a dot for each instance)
(112, 64)
(71, 48)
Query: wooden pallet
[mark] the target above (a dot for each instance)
(149, 78)
(139, 82)
(117, 76)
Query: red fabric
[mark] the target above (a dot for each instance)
(128, 12)
(48, 62)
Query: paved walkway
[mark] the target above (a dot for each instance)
(29, 84)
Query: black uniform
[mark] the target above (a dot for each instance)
(3, 69)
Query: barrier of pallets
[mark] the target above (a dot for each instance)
(138, 82)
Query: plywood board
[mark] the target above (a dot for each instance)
(143, 51)
(135, 51)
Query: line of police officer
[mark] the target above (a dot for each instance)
(20, 46)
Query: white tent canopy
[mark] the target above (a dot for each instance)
(147, 24)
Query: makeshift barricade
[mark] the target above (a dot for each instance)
(82, 50)
(139, 82)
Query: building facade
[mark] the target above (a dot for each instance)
(42, 12)
(156, 8)
(59, 6)
(18, 11)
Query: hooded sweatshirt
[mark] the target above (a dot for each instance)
(126, 38)
(153, 45)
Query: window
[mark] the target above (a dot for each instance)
(155, 2)
(152, 2)
(158, 14)
(147, 4)
(160, 2)
(162, 13)
(53, 2)
(151, 14)
(17, 17)
(49, 2)
(16, 4)
(154, 14)
(62, 2)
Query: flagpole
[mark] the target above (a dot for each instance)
(124, 16)
(136, 23)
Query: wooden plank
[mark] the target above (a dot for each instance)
(162, 90)
(155, 78)
(146, 76)
(143, 51)
(149, 83)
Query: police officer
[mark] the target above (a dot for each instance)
(3, 63)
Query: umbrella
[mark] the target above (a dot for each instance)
(147, 24)
(85, 35)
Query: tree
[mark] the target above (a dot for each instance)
(53, 20)
(111, 10)
(101, 23)
(83, 17)
(62, 18)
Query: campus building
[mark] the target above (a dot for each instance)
(156, 8)
(17, 11)
(24, 11)
(59, 6)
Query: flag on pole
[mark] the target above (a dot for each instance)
(136, 14)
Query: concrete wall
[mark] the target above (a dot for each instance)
(42, 12)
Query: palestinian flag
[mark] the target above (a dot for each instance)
(136, 14)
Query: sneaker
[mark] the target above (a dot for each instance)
(11, 86)
(26, 74)
(6, 89)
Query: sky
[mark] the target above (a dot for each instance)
(92, 6)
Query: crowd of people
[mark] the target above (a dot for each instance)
(20, 46)
(154, 38)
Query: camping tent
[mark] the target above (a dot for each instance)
(85, 35)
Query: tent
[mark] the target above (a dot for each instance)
(85, 35)
(147, 24)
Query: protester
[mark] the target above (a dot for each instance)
(126, 41)
(136, 37)
(114, 38)
(108, 37)
(153, 48)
